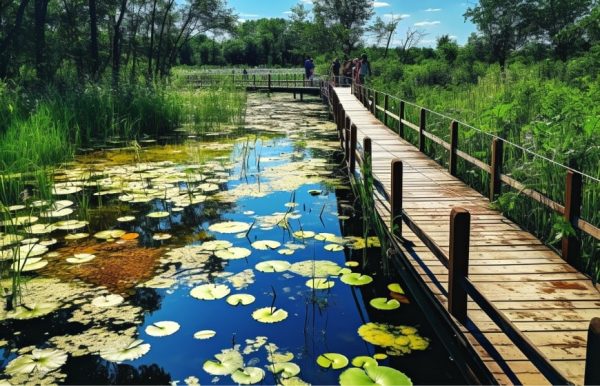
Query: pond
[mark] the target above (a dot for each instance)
(228, 258)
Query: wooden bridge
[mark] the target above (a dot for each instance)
(278, 82)
(530, 316)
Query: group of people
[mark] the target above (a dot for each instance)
(355, 70)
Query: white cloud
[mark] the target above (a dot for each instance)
(433, 9)
(391, 16)
(306, 2)
(427, 23)
(249, 15)
(288, 12)
(380, 4)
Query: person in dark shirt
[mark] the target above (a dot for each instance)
(335, 71)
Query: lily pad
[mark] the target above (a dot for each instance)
(126, 219)
(40, 229)
(319, 283)
(384, 304)
(76, 236)
(80, 258)
(352, 263)
(129, 352)
(395, 287)
(163, 328)
(285, 369)
(286, 251)
(278, 357)
(269, 315)
(332, 360)
(248, 375)
(39, 361)
(315, 268)
(333, 247)
(380, 356)
(240, 299)
(233, 253)
(32, 310)
(29, 264)
(356, 278)
(210, 291)
(264, 245)
(204, 334)
(396, 340)
(110, 234)
(161, 236)
(273, 266)
(111, 300)
(364, 361)
(160, 214)
(215, 245)
(374, 375)
(229, 227)
(304, 234)
(70, 225)
(228, 361)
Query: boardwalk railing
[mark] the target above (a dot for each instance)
(496, 171)
(460, 287)
(268, 81)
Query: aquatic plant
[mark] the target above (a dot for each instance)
(332, 360)
(374, 375)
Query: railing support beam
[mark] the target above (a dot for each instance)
(396, 198)
(571, 245)
(460, 225)
(352, 149)
(453, 147)
(422, 130)
(400, 119)
(496, 168)
(592, 357)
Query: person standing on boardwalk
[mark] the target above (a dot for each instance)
(308, 68)
(364, 68)
(347, 71)
(335, 71)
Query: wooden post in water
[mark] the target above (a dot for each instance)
(400, 119)
(352, 148)
(496, 168)
(592, 357)
(396, 198)
(460, 224)
(453, 147)
(571, 245)
(386, 105)
(422, 130)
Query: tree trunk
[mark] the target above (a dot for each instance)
(40, 12)
(160, 35)
(6, 44)
(94, 56)
(151, 48)
(116, 47)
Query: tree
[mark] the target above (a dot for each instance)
(345, 19)
(384, 31)
(447, 48)
(411, 38)
(505, 24)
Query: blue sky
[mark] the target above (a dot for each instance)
(435, 17)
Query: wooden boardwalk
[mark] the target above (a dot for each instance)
(549, 301)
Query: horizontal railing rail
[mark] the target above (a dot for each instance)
(460, 287)
(571, 210)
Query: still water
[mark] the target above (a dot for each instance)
(134, 274)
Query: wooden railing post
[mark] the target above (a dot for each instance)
(400, 119)
(254, 80)
(352, 149)
(367, 164)
(374, 103)
(453, 147)
(422, 130)
(367, 149)
(496, 168)
(460, 224)
(346, 138)
(386, 105)
(592, 357)
(571, 245)
(396, 198)
(269, 82)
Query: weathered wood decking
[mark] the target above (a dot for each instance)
(543, 296)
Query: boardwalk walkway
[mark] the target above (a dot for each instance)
(549, 301)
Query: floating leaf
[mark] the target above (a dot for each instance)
(32, 310)
(396, 340)
(273, 266)
(210, 291)
(364, 361)
(110, 234)
(248, 375)
(264, 245)
(215, 245)
(284, 369)
(384, 304)
(229, 227)
(204, 334)
(286, 251)
(126, 219)
(29, 264)
(243, 299)
(39, 229)
(233, 253)
(315, 268)
(304, 234)
(278, 357)
(356, 278)
(270, 315)
(332, 360)
(314, 192)
(319, 283)
(70, 225)
(80, 258)
(130, 236)
(380, 356)
(163, 328)
(333, 247)
(76, 236)
(395, 287)
(40, 361)
(111, 300)
(129, 352)
(374, 375)
(161, 214)
(352, 264)
(161, 236)
(228, 361)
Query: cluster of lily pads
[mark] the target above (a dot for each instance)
(365, 371)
